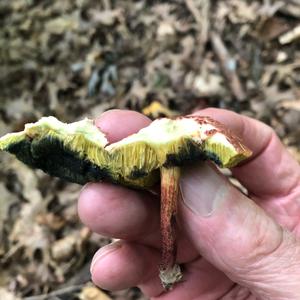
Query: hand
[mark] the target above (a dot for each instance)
(230, 247)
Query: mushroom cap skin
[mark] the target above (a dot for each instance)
(79, 152)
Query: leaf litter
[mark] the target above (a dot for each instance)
(73, 59)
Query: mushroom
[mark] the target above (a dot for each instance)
(79, 152)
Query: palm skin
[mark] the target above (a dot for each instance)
(229, 246)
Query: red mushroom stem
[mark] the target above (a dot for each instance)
(170, 272)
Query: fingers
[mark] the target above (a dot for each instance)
(118, 124)
(122, 265)
(120, 212)
(237, 237)
(123, 213)
(270, 161)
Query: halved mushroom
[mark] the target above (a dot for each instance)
(79, 152)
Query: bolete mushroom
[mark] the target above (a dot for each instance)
(79, 152)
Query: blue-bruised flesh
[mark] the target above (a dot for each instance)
(49, 155)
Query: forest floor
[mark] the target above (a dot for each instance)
(76, 59)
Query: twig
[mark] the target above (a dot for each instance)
(56, 293)
(228, 67)
(290, 36)
(291, 8)
(107, 4)
(201, 17)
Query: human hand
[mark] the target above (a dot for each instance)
(230, 247)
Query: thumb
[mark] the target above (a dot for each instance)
(237, 236)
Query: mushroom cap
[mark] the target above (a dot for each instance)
(79, 152)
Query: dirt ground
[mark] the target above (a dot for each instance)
(76, 59)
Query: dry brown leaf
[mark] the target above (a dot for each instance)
(291, 8)
(7, 199)
(241, 11)
(164, 30)
(18, 108)
(272, 28)
(105, 17)
(273, 95)
(295, 151)
(62, 24)
(64, 248)
(51, 220)
(290, 104)
(290, 36)
(4, 128)
(209, 85)
(279, 73)
(27, 177)
(29, 234)
(157, 109)
(93, 293)
(7, 295)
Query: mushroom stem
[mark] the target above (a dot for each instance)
(170, 272)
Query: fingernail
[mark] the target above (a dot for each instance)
(203, 190)
(104, 251)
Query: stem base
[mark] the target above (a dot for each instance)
(170, 276)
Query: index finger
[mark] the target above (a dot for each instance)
(271, 171)
(118, 124)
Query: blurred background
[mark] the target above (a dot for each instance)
(77, 58)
